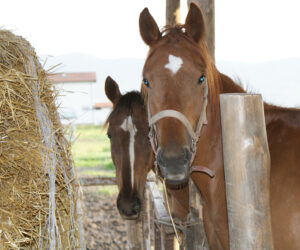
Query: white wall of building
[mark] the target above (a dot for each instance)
(76, 102)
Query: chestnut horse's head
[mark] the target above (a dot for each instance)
(130, 148)
(176, 79)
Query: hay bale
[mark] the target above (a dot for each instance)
(39, 201)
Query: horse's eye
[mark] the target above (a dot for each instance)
(108, 135)
(201, 79)
(146, 82)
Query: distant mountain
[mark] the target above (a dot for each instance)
(277, 81)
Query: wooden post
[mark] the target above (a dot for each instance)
(98, 180)
(146, 217)
(134, 235)
(195, 235)
(208, 10)
(172, 12)
(247, 171)
(163, 233)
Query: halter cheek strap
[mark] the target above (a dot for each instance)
(193, 134)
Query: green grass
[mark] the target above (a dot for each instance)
(91, 150)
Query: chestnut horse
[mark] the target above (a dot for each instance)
(181, 88)
(132, 154)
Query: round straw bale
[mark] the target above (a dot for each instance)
(39, 201)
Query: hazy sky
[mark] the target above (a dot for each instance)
(246, 30)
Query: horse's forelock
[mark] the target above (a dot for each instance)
(177, 29)
(126, 102)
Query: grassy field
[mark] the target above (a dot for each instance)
(91, 151)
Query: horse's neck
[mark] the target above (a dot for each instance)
(209, 148)
(288, 116)
(209, 154)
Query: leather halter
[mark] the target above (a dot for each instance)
(193, 134)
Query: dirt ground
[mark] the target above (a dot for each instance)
(104, 228)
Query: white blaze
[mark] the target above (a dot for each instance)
(174, 64)
(128, 125)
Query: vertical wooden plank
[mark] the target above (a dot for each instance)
(167, 241)
(134, 234)
(208, 10)
(195, 238)
(145, 217)
(247, 171)
(163, 234)
(157, 238)
(150, 218)
(172, 12)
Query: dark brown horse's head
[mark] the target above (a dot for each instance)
(175, 74)
(130, 149)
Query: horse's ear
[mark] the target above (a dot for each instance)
(194, 23)
(148, 28)
(112, 90)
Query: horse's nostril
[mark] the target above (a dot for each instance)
(137, 206)
(118, 202)
(160, 158)
(129, 206)
(123, 211)
(187, 155)
(137, 200)
(136, 209)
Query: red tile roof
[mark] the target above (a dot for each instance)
(73, 77)
(100, 105)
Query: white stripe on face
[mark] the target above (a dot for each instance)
(174, 64)
(128, 125)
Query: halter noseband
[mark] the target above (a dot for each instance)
(193, 134)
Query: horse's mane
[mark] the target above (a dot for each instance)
(126, 101)
(290, 116)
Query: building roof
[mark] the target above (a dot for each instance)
(100, 105)
(73, 77)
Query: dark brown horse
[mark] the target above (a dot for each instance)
(180, 76)
(130, 148)
(132, 154)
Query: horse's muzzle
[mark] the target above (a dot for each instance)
(129, 206)
(174, 168)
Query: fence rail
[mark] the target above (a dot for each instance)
(97, 181)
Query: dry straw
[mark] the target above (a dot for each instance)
(39, 201)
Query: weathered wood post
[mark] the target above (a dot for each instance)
(208, 10)
(134, 235)
(163, 231)
(195, 235)
(247, 171)
(172, 12)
